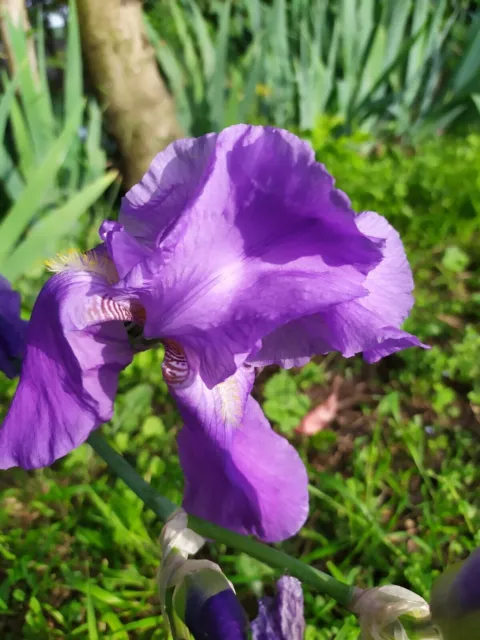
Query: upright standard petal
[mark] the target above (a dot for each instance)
(250, 234)
(12, 330)
(229, 478)
(370, 324)
(70, 371)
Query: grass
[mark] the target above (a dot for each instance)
(394, 477)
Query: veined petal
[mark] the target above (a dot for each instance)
(12, 329)
(369, 324)
(152, 207)
(123, 248)
(238, 472)
(216, 412)
(70, 371)
(259, 238)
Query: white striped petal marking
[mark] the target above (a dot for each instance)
(175, 366)
(106, 309)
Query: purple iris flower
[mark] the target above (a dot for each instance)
(12, 330)
(236, 251)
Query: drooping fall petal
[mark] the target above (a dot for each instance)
(70, 371)
(229, 479)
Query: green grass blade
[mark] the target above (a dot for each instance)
(6, 101)
(246, 106)
(397, 22)
(45, 96)
(402, 55)
(115, 625)
(216, 96)
(445, 120)
(189, 53)
(43, 238)
(280, 74)
(21, 137)
(365, 26)
(349, 35)
(73, 83)
(434, 35)
(204, 41)
(96, 156)
(9, 175)
(466, 78)
(175, 74)
(91, 617)
(73, 93)
(254, 10)
(30, 92)
(416, 56)
(39, 182)
(476, 101)
(374, 62)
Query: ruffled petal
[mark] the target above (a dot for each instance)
(70, 371)
(238, 472)
(12, 329)
(369, 324)
(122, 247)
(152, 207)
(262, 238)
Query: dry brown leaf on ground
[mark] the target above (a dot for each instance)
(323, 414)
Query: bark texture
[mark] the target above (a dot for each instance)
(16, 12)
(122, 65)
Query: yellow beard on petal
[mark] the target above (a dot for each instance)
(230, 401)
(90, 261)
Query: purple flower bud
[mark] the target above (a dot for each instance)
(466, 585)
(219, 617)
(455, 600)
(12, 330)
(281, 617)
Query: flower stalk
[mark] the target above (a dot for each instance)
(163, 508)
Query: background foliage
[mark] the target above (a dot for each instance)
(394, 474)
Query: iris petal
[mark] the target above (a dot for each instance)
(12, 329)
(69, 374)
(249, 234)
(369, 324)
(239, 473)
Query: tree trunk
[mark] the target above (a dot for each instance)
(140, 111)
(16, 12)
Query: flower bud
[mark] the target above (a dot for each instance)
(12, 330)
(281, 617)
(455, 600)
(393, 613)
(203, 602)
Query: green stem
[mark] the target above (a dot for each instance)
(163, 508)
